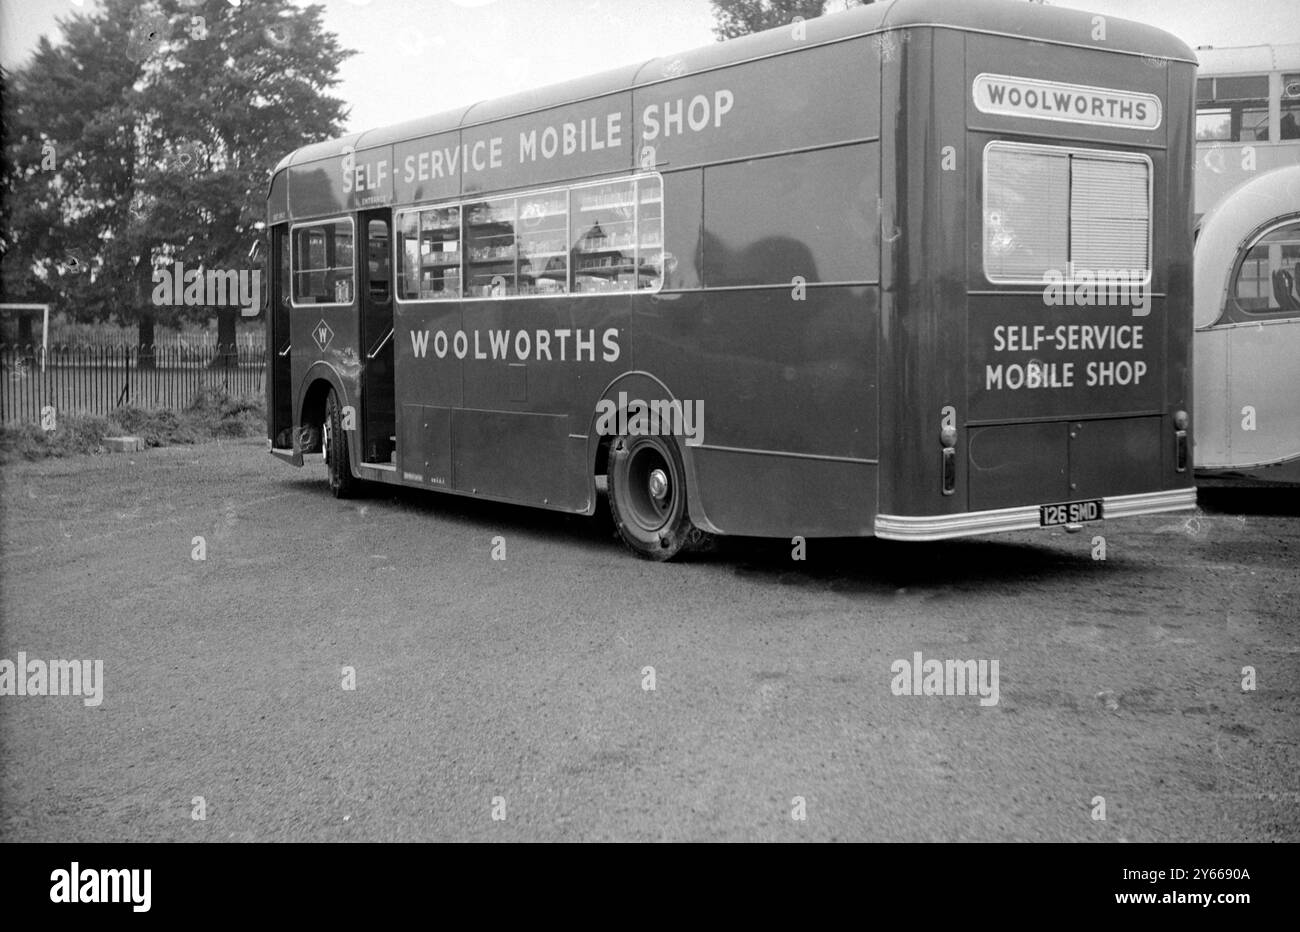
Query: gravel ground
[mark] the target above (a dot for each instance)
(515, 688)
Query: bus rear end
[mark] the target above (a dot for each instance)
(1037, 321)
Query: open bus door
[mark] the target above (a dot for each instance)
(279, 377)
(378, 417)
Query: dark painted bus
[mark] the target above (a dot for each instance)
(916, 270)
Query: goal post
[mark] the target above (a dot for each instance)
(45, 323)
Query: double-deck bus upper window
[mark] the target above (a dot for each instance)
(1056, 210)
(1232, 109)
(322, 263)
(1290, 128)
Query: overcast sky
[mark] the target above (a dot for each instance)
(417, 57)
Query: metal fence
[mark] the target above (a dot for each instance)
(98, 379)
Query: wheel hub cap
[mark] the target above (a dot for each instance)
(658, 485)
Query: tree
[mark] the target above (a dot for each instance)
(166, 117)
(741, 17)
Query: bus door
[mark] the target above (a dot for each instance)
(378, 419)
(279, 412)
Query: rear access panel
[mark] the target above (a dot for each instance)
(1060, 461)
(1018, 464)
(426, 445)
(1114, 456)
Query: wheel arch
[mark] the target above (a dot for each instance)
(316, 384)
(647, 387)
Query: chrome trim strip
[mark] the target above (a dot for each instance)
(1023, 517)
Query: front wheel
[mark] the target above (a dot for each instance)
(647, 498)
(334, 444)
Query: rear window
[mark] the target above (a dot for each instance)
(1267, 281)
(1064, 211)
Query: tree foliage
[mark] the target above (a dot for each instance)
(147, 136)
(741, 17)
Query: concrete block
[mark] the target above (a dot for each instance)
(123, 444)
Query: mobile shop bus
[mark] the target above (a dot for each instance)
(1246, 350)
(864, 249)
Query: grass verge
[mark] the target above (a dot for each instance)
(211, 415)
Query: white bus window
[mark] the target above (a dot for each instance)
(543, 235)
(605, 237)
(1268, 277)
(1290, 128)
(1213, 125)
(430, 253)
(1232, 109)
(322, 263)
(490, 248)
(1048, 209)
(1026, 213)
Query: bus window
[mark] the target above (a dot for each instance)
(605, 244)
(1232, 109)
(1110, 214)
(285, 273)
(1268, 276)
(430, 254)
(543, 243)
(322, 263)
(650, 233)
(490, 248)
(618, 231)
(1050, 209)
(379, 266)
(1290, 128)
(1026, 198)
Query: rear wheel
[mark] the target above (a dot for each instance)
(334, 444)
(647, 498)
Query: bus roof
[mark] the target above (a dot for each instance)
(1248, 59)
(1005, 17)
(1226, 227)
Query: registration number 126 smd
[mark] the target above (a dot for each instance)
(1069, 513)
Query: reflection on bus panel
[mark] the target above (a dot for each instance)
(952, 298)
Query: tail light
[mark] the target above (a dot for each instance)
(948, 437)
(1180, 441)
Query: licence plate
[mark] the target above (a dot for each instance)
(1069, 513)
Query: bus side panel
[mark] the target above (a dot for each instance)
(783, 496)
(1180, 167)
(536, 407)
(923, 329)
(428, 387)
(789, 408)
(327, 335)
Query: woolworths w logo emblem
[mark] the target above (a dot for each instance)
(322, 335)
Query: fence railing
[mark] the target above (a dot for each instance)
(98, 379)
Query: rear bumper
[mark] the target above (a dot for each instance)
(1023, 517)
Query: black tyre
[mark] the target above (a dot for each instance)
(334, 444)
(647, 498)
